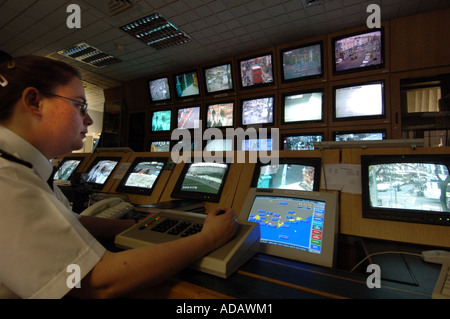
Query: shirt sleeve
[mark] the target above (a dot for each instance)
(40, 238)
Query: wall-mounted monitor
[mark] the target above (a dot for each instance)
(407, 188)
(359, 51)
(100, 171)
(256, 71)
(359, 101)
(161, 120)
(66, 168)
(302, 107)
(257, 110)
(290, 173)
(219, 78)
(142, 175)
(160, 146)
(188, 117)
(159, 89)
(373, 135)
(257, 144)
(301, 142)
(186, 84)
(201, 181)
(220, 114)
(302, 62)
(219, 145)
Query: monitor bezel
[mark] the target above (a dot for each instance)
(302, 78)
(315, 162)
(361, 117)
(177, 192)
(155, 101)
(283, 106)
(358, 69)
(195, 105)
(259, 85)
(232, 89)
(122, 188)
(400, 214)
(327, 257)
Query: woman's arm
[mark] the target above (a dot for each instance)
(118, 274)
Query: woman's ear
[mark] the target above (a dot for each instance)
(32, 99)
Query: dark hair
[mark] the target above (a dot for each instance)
(42, 73)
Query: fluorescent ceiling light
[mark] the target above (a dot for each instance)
(155, 31)
(88, 54)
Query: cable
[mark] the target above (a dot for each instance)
(385, 252)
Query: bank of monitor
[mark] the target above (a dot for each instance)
(302, 107)
(288, 173)
(142, 175)
(100, 171)
(302, 62)
(159, 89)
(202, 181)
(407, 188)
(67, 167)
(297, 225)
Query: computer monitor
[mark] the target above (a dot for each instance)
(159, 89)
(301, 142)
(359, 51)
(161, 120)
(219, 145)
(219, 78)
(296, 225)
(407, 188)
(201, 181)
(257, 144)
(100, 171)
(142, 175)
(66, 168)
(257, 110)
(302, 62)
(359, 101)
(188, 117)
(256, 71)
(294, 173)
(186, 84)
(302, 107)
(220, 114)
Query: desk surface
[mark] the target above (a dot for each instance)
(268, 277)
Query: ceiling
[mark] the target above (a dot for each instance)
(218, 28)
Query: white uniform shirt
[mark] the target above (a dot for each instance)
(39, 234)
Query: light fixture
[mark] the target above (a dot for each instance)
(83, 52)
(157, 32)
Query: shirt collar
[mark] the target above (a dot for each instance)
(16, 145)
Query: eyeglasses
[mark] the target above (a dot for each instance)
(82, 105)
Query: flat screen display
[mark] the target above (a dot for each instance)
(257, 111)
(188, 117)
(219, 145)
(220, 115)
(219, 78)
(161, 120)
(142, 176)
(300, 63)
(160, 146)
(186, 84)
(101, 170)
(257, 144)
(359, 51)
(303, 107)
(159, 89)
(359, 101)
(256, 71)
(359, 136)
